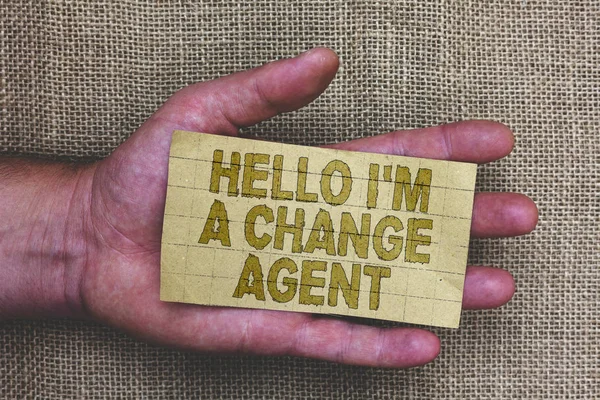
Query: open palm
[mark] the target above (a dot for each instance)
(120, 281)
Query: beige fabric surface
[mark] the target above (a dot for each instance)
(78, 77)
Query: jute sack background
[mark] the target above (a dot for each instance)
(78, 77)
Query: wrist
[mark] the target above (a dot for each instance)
(43, 238)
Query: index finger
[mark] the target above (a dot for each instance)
(468, 141)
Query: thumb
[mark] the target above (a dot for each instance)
(224, 105)
(133, 179)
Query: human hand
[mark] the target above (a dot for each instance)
(116, 278)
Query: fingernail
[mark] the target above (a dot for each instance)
(307, 52)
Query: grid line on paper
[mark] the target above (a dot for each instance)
(310, 229)
(270, 171)
(345, 205)
(300, 284)
(430, 316)
(299, 255)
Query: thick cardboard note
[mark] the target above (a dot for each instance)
(266, 225)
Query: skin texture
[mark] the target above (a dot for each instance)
(84, 241)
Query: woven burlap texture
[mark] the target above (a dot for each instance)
(78, 77)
